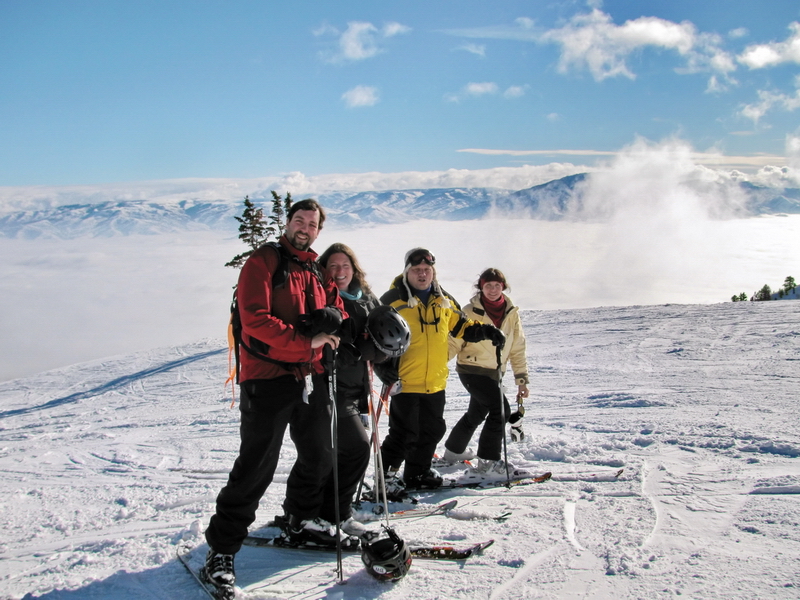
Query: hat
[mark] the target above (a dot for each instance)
(492, 275)
(416, 256)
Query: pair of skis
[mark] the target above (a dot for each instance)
(422, 551)
(418, 551)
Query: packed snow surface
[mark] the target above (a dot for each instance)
(110, 467)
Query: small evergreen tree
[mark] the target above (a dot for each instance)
(765, 293)
(253, 231)
(280, 208)
(789, 284)
(742, 297)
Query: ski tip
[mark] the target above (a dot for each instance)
(618, 473)
(448, 506)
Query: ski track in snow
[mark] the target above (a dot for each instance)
(109, 466)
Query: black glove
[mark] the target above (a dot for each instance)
(387, 371)
(323, 320)
(480, 332)
(493, 334)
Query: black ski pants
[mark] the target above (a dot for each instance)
(352, 462)
(484, 404)
(267, 407)
(416, 425)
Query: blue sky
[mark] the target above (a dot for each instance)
(119, 90)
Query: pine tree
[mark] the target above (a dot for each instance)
(253, 231)
(280, 208)
(765, 293)
(789, 284)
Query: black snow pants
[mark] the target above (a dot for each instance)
(267, 407)
(484, 403)
(416, 425)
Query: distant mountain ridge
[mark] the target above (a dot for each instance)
(555, 200)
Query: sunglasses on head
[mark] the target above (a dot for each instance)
(421, 257)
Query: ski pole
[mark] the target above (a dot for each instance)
(380, 481)
(374, 414)
(502, 410)
(330, 358)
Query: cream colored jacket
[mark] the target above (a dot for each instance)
(480, 358)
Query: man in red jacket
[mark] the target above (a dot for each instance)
(285, 325)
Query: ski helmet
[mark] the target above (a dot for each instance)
(388, 330)
(387, 559)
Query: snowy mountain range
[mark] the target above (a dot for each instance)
(555, 200)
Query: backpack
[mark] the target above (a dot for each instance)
(258, 348)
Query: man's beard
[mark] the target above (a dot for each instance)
(298, 244)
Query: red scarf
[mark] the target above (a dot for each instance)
(496, 310)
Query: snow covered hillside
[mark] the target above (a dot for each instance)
(109, 466)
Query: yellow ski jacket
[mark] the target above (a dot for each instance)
(423, 367)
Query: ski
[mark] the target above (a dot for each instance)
(443, 552)
(227, 592)
(426, 552)
(477, 482)
(412, 513)
(445, 510)
(258, 541)
(437, 462)
(589, 476)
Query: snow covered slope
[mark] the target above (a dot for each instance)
(109, 466)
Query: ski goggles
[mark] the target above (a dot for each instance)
(421, 256)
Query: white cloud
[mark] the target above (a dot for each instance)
(361, 95)
(360, 40)
(793, 154)
(515, 91)
(525, 22)
(392, 29)
(477, 49)
(554, 117)
(486, 88)
(707, 159)
(768, 101)
(715, 86)
(759, 56)
(594, 42)
(737, 33)
(480, 89)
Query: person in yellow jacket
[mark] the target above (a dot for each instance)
(416, 417)
(481, 376)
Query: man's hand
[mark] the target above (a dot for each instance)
(319, 340)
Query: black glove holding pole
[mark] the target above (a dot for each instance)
(480, 332)
(323, 320)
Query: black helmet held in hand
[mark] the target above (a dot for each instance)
(388, 331)
(387, 559)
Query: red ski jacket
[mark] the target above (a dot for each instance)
(271, 314)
